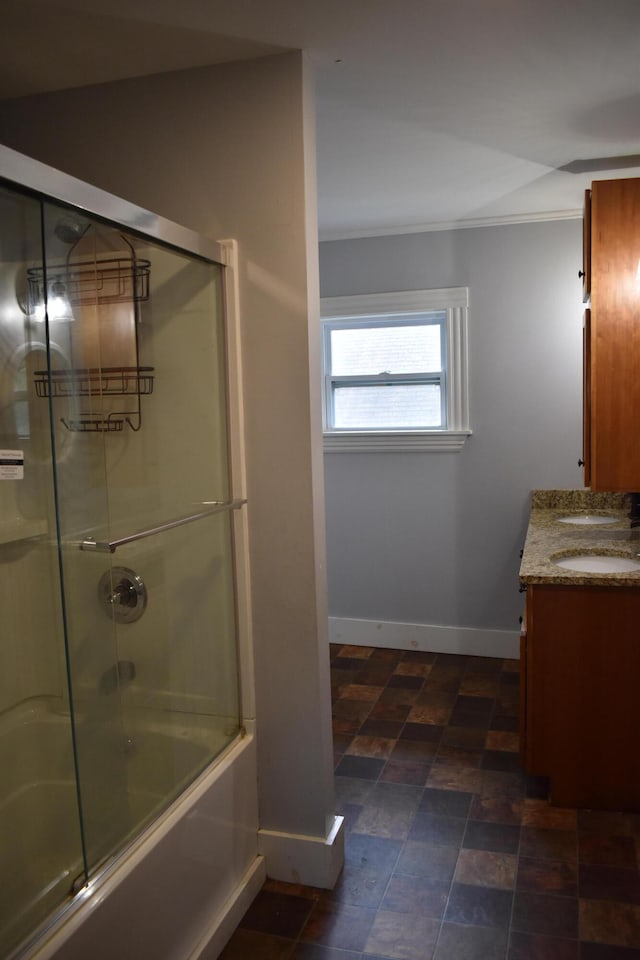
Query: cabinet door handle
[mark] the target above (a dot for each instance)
(581, 463)
(580, 274)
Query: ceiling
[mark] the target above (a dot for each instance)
(430, 113)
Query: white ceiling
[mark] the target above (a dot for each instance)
(430, 112)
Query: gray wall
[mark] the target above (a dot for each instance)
(434, 538)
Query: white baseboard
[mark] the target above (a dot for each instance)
(423, 636)
(220, 930)
(312, 861)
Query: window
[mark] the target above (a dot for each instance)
(395, 371)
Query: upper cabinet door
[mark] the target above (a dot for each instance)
(615, 335)
(586, 248)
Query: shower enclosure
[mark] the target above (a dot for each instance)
(119, 678)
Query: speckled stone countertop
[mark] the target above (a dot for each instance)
(548, 537)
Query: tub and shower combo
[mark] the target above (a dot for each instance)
(128, 790)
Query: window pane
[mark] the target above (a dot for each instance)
(400, 406)
(394, 349)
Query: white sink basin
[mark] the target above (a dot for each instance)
(586, 519)
(598, 563)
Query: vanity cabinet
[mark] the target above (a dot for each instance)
(580, 671)
(612, 337)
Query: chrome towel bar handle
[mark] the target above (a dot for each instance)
(110, 546)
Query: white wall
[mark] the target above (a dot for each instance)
(434, 538)
(222, 150)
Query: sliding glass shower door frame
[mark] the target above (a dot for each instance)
(48, 185)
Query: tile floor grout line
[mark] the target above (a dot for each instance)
(509, 929)
(515, 880)
(453, 875)
(424, 788)
(382, 769)
(453, 879)
(460, 848)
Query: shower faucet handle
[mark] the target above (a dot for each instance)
(123, 594)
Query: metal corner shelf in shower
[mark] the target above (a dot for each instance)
(99, 424)
(107, 280)
(97, 382)
(87, 281)
(94, 382)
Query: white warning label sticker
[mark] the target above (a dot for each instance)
(11, 464)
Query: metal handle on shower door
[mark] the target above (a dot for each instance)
(110, 546)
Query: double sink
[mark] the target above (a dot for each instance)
(594, 561)
(577, 537)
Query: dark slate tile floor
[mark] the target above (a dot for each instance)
(452, 853)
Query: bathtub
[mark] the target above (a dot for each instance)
(179, 889)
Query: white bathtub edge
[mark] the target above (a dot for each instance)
(216, 936)
(118, 904)
(312, 861)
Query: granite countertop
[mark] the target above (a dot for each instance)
(546, 536)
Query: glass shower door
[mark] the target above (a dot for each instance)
(81, 332)
(140, 424)
(40, 840)
(118, 661)
(171, 524)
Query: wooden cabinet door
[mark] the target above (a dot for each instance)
(586, 397)
(586, 248)
(615, 335)
(583, 661)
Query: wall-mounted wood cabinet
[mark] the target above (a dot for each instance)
(586, 397)
(586, 248)
(612, 338)
(579, 673)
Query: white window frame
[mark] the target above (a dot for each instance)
(403, 306)
(436, 377)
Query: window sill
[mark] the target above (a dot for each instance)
(423, 441)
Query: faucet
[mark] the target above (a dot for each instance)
(634, 511)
